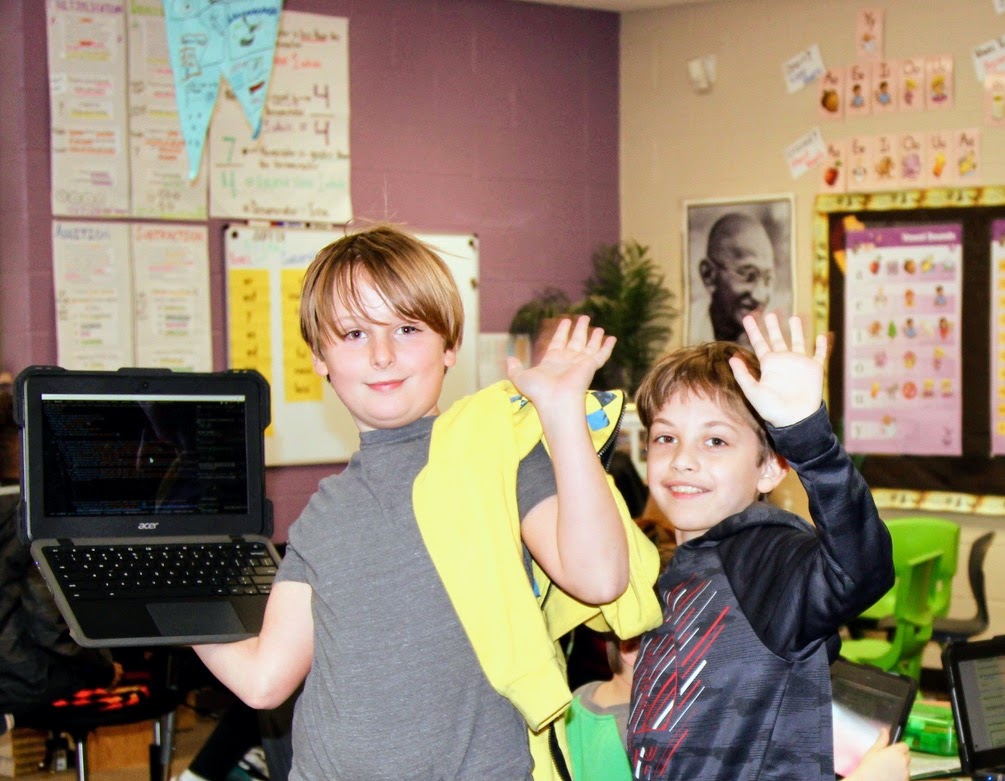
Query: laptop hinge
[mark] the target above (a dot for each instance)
(63, 541)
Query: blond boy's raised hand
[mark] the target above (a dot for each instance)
(566, 369)
(790, 388)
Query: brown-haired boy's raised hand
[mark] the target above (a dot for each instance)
(790, 388)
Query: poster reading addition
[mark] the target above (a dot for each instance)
(739, 257)
(902, 392)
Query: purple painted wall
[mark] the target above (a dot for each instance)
(485, 116)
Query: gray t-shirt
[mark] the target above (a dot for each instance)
(395, 690)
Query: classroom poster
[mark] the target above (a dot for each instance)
(998, 338)
(158, 164)
(264, 269)
(91, 272)
(132, 294)
(298, 168)
(171, 296)
(903, 351)
(87, 107)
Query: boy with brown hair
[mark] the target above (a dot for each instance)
(735, 683)
(411, 592)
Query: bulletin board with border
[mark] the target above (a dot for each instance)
(264, 270)
(973, 482)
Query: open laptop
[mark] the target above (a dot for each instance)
(866, 699)
(143, 500)
(975, 674)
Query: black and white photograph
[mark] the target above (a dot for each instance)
(739, 255)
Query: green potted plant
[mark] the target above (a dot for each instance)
(626, 296)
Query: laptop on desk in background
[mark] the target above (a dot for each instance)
(975, 674)
(143, 500)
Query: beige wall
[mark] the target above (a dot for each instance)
(678, 145)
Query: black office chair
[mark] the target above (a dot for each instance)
(945, 630)
(142, 695)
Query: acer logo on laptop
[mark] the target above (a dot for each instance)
(150, 526)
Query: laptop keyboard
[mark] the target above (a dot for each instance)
(163, 571)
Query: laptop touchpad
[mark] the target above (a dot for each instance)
(185, 619)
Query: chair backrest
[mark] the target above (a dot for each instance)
(913, 611)
(975, 572)
(914, 536)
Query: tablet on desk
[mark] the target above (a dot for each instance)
(865, 700)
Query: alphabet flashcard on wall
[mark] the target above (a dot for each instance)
(869, 33)
(857, 95)
(884, 166)
(884, 87)
(967, 155)
(912, 84)
(994, 100)
(939, 82)
(832, 94)
(860, 163)
(833, 173)
(902, 340)
(911, 159)
(938, 154)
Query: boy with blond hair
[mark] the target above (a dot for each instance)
(411, 593)
(734, 685)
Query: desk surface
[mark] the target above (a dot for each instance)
(934, 766)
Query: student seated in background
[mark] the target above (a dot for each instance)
(596, 723)
(39, 661)
(735, 683)
(405, 596)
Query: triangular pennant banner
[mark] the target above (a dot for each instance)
(232, 38)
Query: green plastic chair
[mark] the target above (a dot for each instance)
(912, 617)
(912, 537)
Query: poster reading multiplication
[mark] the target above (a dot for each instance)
(902, 340)
(998, 337)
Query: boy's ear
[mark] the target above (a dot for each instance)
(773, 472)
(320, 368)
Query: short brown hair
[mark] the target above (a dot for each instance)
(408, 273)
(702, 370)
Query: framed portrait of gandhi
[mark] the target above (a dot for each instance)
(739, 257)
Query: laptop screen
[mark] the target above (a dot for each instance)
(116, 454)
(976, 676)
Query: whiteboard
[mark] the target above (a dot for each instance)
(263, 270)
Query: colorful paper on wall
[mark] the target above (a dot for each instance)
(805, 153)
(803, 69)
(902, 340)
(87, 109)
(232, 38)
(989, 57)
(998, 338)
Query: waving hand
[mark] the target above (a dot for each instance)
(791, 384)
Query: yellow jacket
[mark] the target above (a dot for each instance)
(474, 540)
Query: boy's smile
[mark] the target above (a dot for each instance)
(704, 464)
(386, 369)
